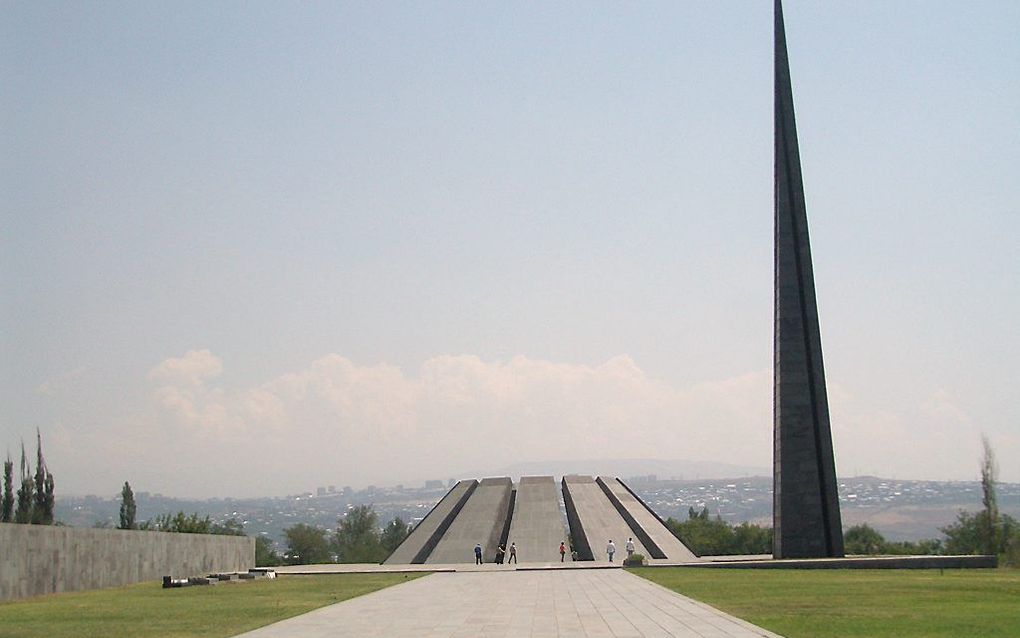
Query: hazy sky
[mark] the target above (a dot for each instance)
(253, 248)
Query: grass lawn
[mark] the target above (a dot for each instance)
(884, 602)
(209, 611)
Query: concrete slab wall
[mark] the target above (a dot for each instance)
(480, 521)
(538, 526)
(599, 520)
(578, 543)
(426, 535)
(41, 559)
(647, 522)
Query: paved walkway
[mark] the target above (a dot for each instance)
(607, 603)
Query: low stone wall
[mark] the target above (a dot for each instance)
(40, 559)
(855, 562)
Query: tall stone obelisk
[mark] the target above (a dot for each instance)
(806, 520)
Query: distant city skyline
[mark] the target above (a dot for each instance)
(249, 249)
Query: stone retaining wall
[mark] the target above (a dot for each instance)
(38, 559)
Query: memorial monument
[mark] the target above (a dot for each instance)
(806, 519)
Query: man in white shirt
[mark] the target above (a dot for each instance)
(610, 549)
(630, 547)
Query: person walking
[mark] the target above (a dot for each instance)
(478, 553)
(610, 549)
(630, 547)
(563, 550)
(513, 554)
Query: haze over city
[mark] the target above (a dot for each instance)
(251, 249)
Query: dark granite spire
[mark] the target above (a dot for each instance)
(806, 520)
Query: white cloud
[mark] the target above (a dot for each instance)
(337, 422)
(192, 369)
(341, 422)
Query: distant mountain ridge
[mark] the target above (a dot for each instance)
(663, 469)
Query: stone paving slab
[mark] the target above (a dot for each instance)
(603, 603)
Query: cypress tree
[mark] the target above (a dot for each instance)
(50, 500)
(23, 513)
(39, 493)
(127, 507)
(42, 506)
(7, 503)
(990, 516)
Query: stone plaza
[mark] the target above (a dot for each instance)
(578, 603)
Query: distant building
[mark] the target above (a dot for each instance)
(320, 491)
(331, 489)
(433, 485)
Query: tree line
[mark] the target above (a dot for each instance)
(180, 522)
(358, 539)
(34, 501)
(987, 531)
(707, 536)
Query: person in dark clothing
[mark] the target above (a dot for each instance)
(478, 553)
(513, 554)
(500, 554)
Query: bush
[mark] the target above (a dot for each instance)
(634, 560)
(306, 545)
(1011, 558)
(706, 536)
(265, 555)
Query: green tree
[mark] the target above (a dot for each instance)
(863, 539)
(229, 527)
(703, 535)
(913, 548)
(306, 545)
(707, 536)
(7, 503)
(357, 536)
(394, 534)
(182, 523)
(968, 535)
(42, 506)
(989, 523)
(987, 531)
(51, 498)
(752, 539)
(23, 513)
(179, 523)
(265, 555)
(127, 507)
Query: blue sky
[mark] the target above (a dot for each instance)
(368, 242)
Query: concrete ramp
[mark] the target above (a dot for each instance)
(594, 521)
(646, 524)
(426, 535)
(480, 521)
(537, 527)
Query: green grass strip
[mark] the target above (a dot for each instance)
(820, 603)
(211, 611)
